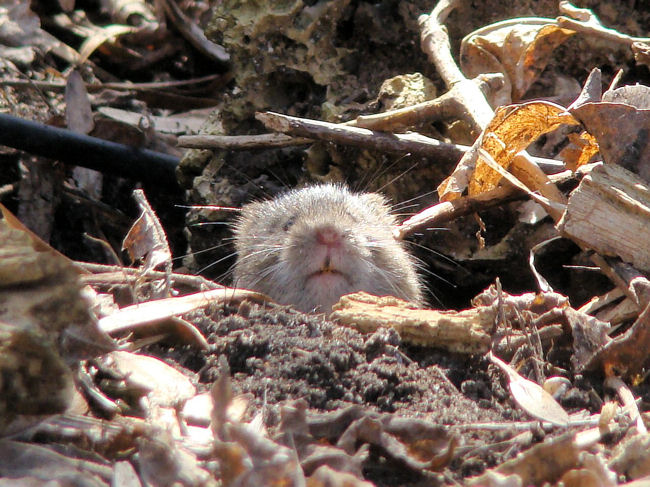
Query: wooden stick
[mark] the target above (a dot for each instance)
(589, 24)
(331, 132)
(337, 133)
(59, 86)
(240, 142)
(466, 205)
(446, 107)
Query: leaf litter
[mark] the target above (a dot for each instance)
(147, 376)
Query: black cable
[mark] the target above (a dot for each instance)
(86, 151)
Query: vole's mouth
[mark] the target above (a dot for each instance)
(328, 272)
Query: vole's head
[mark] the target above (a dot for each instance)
(309, 247)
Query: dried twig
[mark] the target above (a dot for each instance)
(162, 309)
(446, 107)
(435, 43)
(240, 142)
(465, 205)
(59, 86)
(600, 31)
(337, 133)
(194, 34)
(114, 274)
(629, 403)
(587, 23)
(331, 132)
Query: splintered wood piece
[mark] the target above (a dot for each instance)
(467, 331)
(609, 212)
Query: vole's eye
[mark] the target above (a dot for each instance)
(287, 225)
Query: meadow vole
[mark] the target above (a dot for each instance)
(310, 246)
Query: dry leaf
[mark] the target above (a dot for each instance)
(182, 123)
(263, 461)
(620, 124)
(542, 464)
(532, 397)
(20, 26)
(247, 457)
(583, 147)
(593, 471)
(164, 385)
(79, 119)
(416, 443)
(517, 48)
(147, 237)
(163, 463)
(312, 452)
(527, 303)
(631, 457)
(36, 380)
(592, 91)
(627, 354)
(78, 112)
(628, 400)
(512, 130)
(45, 323)
(44, 466)
(589, 335)
(196, 410)
(100, 36)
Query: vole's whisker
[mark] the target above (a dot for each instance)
(222, 277)
(284, 183)
(438, 254)
(218, 261)
(207, 224)
(423, 268)
(398, 206)
(400, 175)
(405, 207)
(209, 207)
(379, 172)
(202, 251)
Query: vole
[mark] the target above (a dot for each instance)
(310, 246)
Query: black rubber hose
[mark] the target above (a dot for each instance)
(83, 150)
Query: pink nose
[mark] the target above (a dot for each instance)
(328, 236)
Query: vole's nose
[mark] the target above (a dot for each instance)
(328, 236)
